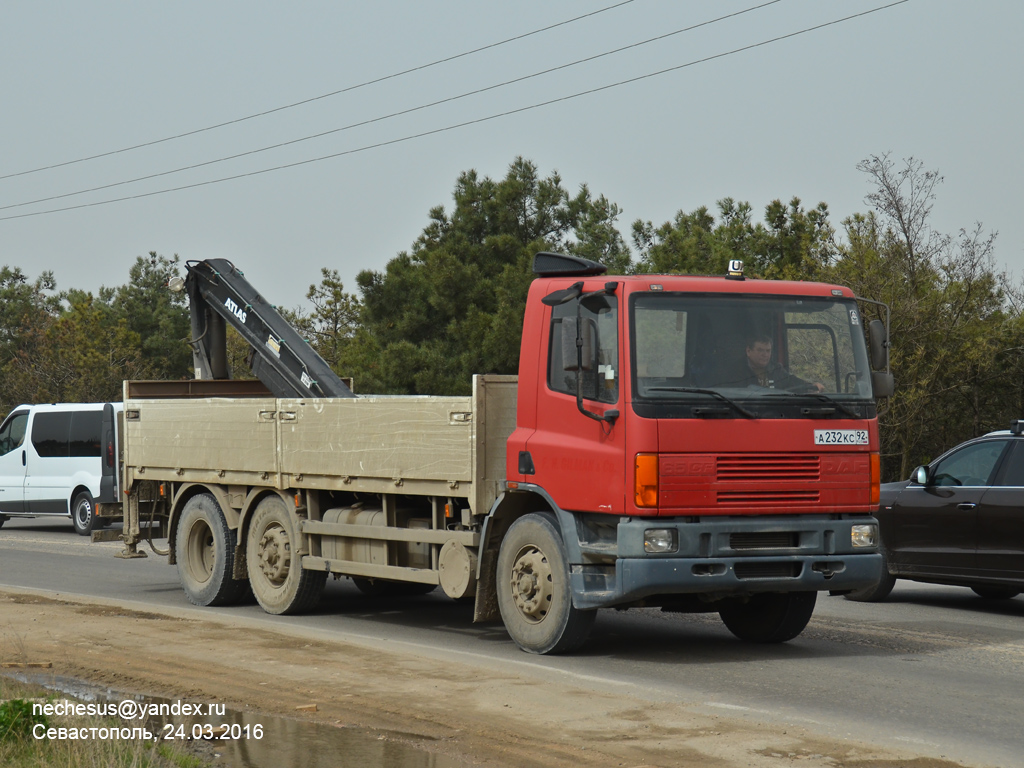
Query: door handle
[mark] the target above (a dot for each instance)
(966, 505)
(23, 462)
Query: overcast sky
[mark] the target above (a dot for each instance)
(939, 80)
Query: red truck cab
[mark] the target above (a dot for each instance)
(699, 443)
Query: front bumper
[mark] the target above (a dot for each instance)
(719, 558)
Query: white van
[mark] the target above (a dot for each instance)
(59, 460)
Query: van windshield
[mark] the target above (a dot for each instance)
(748, 350)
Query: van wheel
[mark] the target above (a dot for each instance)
(205, 551)
(2, 521)
(83, 514)
(275, 566)
(534, 596)
(770, 617)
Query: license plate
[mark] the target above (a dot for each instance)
(840, 437)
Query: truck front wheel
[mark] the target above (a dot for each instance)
(274, 563)
(770, 618)
(205, 552)
(533, 589)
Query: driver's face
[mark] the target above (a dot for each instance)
(759, 353)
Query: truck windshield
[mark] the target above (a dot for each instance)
(729, 350)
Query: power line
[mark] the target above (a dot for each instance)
(318, 98)
(389, 116)
(468, 122)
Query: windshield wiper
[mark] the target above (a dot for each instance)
(712, 392)
(824, 398)
(848, 411)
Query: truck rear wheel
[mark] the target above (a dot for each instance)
(770, 618)
(533, 589)
(275, 566)
(205, 552)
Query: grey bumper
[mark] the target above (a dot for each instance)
(734, 556)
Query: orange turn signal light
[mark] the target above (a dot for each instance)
(646, 480)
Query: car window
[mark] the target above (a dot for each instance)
(1013, 470)
(971, 465)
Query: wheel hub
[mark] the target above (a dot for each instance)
(201, 553)
(532, 584)
(274, 555)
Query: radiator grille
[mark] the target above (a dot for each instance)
(756, 467)
(783, 540)
(767, 570)
(741, 498)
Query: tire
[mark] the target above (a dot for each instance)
(877, 592)
(3, 519)
(384, 588)
(534, 596)
(996, 593)
(770, 618)
(275, 566)
(205, 553)
(83, 514)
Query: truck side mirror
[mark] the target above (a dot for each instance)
(878, 345)
(570, 331)
(882, 384)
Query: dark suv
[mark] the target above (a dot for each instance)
(958, 520)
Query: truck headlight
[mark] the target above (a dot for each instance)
(864, 535)
(658, 541)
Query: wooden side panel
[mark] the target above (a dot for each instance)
(211, 435)
(440, 446)
(393, 438)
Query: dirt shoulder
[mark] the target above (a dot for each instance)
(474, 714)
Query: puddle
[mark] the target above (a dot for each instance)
(250, 740)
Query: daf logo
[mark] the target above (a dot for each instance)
(235, 310)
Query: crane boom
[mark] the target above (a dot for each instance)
(280, 358)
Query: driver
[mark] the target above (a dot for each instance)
(760, 371)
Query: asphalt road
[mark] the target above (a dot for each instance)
(934, 670)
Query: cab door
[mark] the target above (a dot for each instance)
(13, 462)
(578, 459)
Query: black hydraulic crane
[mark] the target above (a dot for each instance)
(286, 364)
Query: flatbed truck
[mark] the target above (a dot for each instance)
(636, 460)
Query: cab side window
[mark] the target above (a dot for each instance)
(973, 465)
(12, 433)
(598, 323)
